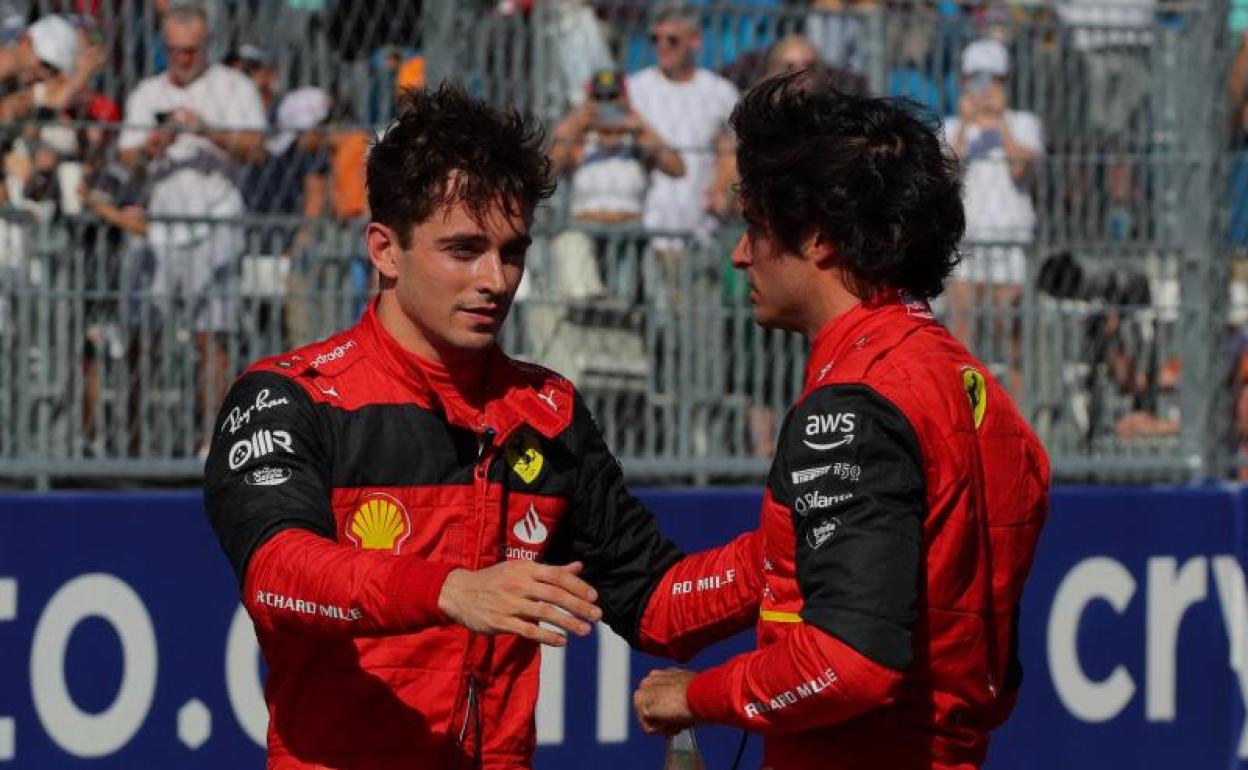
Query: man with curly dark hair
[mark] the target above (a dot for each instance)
(907, 493)
(402, 503)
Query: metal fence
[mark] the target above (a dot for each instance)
(1114, 318)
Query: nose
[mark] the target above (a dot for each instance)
(490, 277)
(741, 253)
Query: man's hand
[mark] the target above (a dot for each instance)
(512, 597)
(662, 702)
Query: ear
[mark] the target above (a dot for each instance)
(818, 248)
(383, 249)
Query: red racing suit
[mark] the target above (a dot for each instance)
(898, 525)
(346, 479)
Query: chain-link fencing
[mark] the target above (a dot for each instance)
(144, 266)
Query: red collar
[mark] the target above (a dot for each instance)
(850, 327)
(496, 393)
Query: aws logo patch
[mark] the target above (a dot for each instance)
(381, 523)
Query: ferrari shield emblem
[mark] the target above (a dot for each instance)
(976, 392)
(523, 454)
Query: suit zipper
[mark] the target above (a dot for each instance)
(472, 688)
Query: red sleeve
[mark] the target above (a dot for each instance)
(267, 490)
(808, 680)
(300, 581)
(703, 598)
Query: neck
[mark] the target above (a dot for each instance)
(680, 74)
(831, 300)
(414, 340)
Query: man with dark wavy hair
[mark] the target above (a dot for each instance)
(402, 503)
(907, 493)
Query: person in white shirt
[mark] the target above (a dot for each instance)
(688, 107)
(193, 127)
(998, 148)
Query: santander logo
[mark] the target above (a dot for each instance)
(530, 529)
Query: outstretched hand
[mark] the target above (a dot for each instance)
(514, 597)
(662, 701)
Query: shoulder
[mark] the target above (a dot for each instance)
(844, 429)
(317, 368)
(146, 90)
(328, 357)
(219, 75)
(717, 84)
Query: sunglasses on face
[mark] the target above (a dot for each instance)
(671, 40)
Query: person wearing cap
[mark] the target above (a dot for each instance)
(998, 148)
(52, 68)
(192, 128)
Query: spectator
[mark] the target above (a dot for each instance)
(688, 107)
(1237, 93)
(998, 148)
(192, 127)
(1112, 40)
(257, 64)
(51, 67)
(609, 148)
(838, 30)
(610, 151)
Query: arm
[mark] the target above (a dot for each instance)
(569, 138)
(857, 554)
(656, 153)
(719, 196)
(703, 598)
(131, 219)
(280, 534)
(608, 529)
(1017, 153)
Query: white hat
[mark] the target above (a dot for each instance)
(55, 42)
(986, 56)
(299, 110)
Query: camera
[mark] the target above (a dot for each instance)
(606, 88)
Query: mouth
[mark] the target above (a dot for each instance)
(485, 315)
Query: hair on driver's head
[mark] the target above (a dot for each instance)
(444, 147)
(869, 174)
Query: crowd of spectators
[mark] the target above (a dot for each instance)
(173, 169)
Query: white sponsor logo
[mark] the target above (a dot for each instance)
(268, 476)
(823, 424)
(823, 372)
(790, 697)
(816, 501)
(549, 398)
(847, 471)
(307, 607)
(523, 554)
(705, 583)
(332, 355)
(810, 474)
(332, 390)
(530, 529)
(238, 417)
(822, 532)
(259, 444)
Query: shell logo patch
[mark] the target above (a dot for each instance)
(523, 455)
(380, 523)
(976, 392)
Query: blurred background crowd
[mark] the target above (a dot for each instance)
(183, 193)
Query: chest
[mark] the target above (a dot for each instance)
(406, 482)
